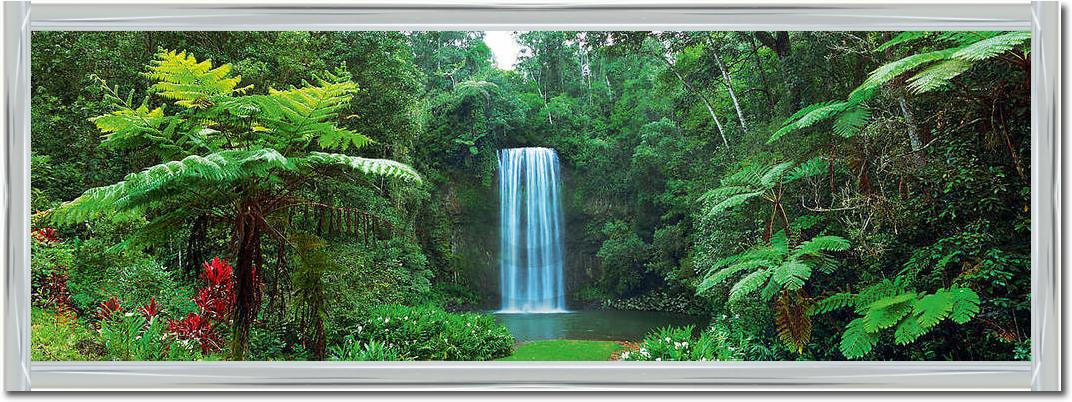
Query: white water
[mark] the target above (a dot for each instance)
(530, 237)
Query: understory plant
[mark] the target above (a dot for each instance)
(891, 305)
(353, 350)
(429, 333)
(680, 344)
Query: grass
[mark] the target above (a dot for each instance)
(564, 350)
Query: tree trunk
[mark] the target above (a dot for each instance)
(247, 230)
(762, 73)
(707, 104)
(913, 136)
(729, 87)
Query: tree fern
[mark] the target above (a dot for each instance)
(935, 69)
(888, 304)
(234, 157)
(191, 83)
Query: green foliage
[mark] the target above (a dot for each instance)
(428, 333)
(681, 344)
(352, 350)
(775, 266)
(936, 69)
(58, 337)
(622, 257)
(889, 304)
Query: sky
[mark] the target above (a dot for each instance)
(504, 47)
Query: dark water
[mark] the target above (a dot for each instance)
(593, 324)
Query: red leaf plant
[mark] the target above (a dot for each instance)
(150, 310)
(45, 235)
(197, 328)
(109, 309)
(217, 298)
(214, 301)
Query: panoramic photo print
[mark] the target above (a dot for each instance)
(530, 196)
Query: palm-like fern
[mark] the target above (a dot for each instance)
(766, 182)
(780, 267)
(891, 304)
(934, 70)
(238, 158)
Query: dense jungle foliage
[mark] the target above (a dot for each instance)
(331, 195)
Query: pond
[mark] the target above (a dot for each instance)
(593, 324)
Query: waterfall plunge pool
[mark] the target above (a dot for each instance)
(599, 325)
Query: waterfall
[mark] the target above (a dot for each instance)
(531, 226)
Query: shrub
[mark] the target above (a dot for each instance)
(393, 274)
(429, 333)
(132, 336)
(679, 344)
(99, 273)
(353, 350)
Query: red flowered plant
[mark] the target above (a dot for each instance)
(150, 310)
(109, 309)
(197, 328)
(45, 235)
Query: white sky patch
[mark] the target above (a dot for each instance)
(504, 47)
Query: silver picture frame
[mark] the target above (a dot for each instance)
(1041, 373)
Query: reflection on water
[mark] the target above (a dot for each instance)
(593, 325)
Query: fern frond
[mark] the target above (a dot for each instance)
(728, 272)
(774, 174)
(903, 37)
(750, 283)
(937, 76)
(965, 305)
(908, 330)
(993, 46)
(833, 302)
(792, 274)
(857, 342)
(793, 323)
(820, 244)
(891, 70)
(851, 121)
(933, 308)
(191, 83)
(809, 116)
(380, 167)
(732, 202)
(887, 312)
(812, 167)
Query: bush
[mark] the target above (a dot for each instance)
(353, 350)
(429, 333)
(660, 300)
(133, 336)
(395, 274)
(99, 273)
(678, 344)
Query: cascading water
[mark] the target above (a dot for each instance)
(531, 227)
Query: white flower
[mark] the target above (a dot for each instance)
(685, 344)
(625, 355)
(658, 359)
(668, 339)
